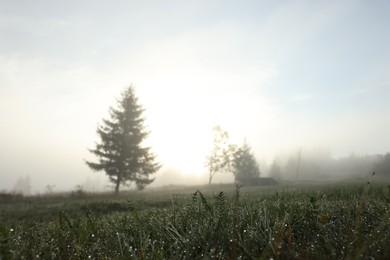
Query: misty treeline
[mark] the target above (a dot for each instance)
(122, 155)
(227, 158)
(317, 166)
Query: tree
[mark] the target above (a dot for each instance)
(275, 171)
(120, 152)
(23, 186)
(221, 153)
(245, 167)
(382, 167)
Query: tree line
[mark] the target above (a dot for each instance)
(321, 166)
(121, 153)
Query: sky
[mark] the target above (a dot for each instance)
(282, 75)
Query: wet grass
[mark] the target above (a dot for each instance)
(218, 222)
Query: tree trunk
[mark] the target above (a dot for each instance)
(117, 186)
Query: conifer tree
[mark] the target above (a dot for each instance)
(245, 167)
(121, 153)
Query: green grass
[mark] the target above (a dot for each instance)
(218, 222)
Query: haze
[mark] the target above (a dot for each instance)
(280, 74)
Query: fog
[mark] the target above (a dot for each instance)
(284, 76)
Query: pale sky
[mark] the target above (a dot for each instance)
(280, 74)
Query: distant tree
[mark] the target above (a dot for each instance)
(245, 166)
(50, 188)
(23, 186)
(120, 152)
(275, 171)
(292, 169)
(221, 154)
(382, 167)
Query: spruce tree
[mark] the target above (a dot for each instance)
(245, 167)
(120, 152)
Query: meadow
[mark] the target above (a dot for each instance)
(343, 221)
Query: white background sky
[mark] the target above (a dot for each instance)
(282, 74)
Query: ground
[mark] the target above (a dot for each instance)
(213, 221)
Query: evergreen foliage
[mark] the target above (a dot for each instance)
(245, 167)
(121, 153)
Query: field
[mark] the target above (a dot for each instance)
(206, 222)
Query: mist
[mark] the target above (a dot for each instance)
(287, 78)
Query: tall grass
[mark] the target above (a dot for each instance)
(333, 223)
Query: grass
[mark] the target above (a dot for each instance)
(207, 222)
